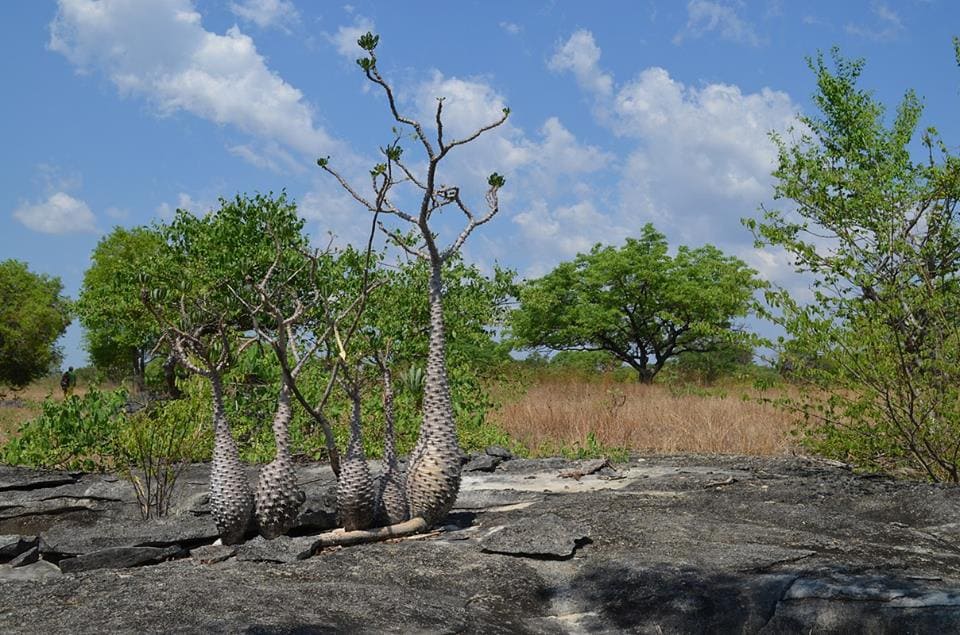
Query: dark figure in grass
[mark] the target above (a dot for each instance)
(68, 381)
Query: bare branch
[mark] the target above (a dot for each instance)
(479, 131)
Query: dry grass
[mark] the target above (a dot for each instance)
(17, 407)
(650, 419)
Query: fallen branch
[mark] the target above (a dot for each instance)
(341, 538)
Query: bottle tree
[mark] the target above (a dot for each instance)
(432, 479)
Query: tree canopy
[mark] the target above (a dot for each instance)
(33, 316)
(637, 302)
(119, 332)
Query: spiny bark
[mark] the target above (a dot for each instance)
(433, 476)
(392, 498)
(355, 495)
(278, 499)
(231, 501)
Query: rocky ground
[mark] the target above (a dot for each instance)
(660, 545)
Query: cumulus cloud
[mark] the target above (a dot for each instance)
(581, 56)
(266, 13)
(705, 16)
(700, 159)
(345, 39)
(59, 214)
(160, 51)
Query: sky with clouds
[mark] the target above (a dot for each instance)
(118, 112)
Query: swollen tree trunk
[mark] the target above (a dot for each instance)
(231, 502)
(278, 499)
(433, 476)
(392, 499)
(355, 495)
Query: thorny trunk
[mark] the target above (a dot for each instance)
(433, 477)
(392, 505)
(231, 502)
(355, 495)
(278, 499)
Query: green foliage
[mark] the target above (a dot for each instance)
(33, 316)
(79, 433)
(118, 330)
(637, 303)
(878, 349)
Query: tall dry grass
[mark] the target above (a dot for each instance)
(654, 419)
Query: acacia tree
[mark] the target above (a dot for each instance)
(33, 316)
(637, 302)
(878, 232)
(433, 475)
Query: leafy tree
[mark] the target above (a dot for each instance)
(119, 331)
(878, 233)
(33, 315)
(637, 302)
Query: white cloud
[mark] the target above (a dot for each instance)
(185, 202)
(160, 51)
(705, 16)
(345, 39)
(886, 25)
(701, 158)
(266, 13)
(581, 55)
(59, 214)
(511, 27)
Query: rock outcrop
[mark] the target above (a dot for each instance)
(672, 544)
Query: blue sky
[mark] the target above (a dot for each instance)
(116, 112)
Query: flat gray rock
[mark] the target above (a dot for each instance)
(18, 478)
(539, 536)
(280, 549)
(683, 544)
(119, 558)
(39, 570)
(482, 463)
(212, 554)
(186, 531)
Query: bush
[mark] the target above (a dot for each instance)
(78, 433)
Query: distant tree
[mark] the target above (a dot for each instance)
(120, 334)
(878, 231)
(637, 302)
(33, 315)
